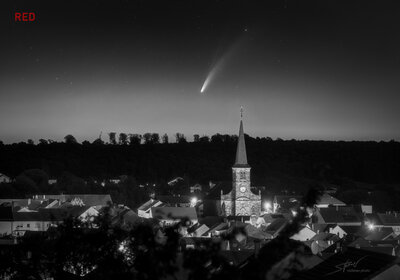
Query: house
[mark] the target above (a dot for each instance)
(198, 230)
(6, 220)
(87, 199)
(367, 209)
(390, 220)
(276, 226)
(124, 216)
(380, 220)
(267, 219)
(144, 209)
(52, 181)
(17, 223)
(325, 236)
(379, 234)
(175, 200)
(4, 178)
(327, 200)
(305, 233)
(285, 203)
(171, 215)
(257, 233)
(324, 244)
(218, 229)
(175, 181)
(345, 215)
(343, 231)
(28, 221)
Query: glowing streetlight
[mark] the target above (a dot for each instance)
(193, 201)
(371, 226)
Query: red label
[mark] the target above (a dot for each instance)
(24, 16)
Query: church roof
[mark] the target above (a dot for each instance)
(241, 156)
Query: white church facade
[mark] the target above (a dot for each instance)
(241, 201)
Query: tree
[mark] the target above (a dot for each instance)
(204, 139)
(216, 138)
(86, 143)
(98, 141)
(71, 184)
(196, 138)
(30, 142)
(112, 136)
(123, 139)
(43, 142)
(180, 138)
(155, 138)
(228, 138)
(24, 185)
(135, 139)
(69, 139)
(147, 138)
(165, 138)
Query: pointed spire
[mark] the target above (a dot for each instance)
(241, 156)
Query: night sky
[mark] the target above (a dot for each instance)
(301, 69)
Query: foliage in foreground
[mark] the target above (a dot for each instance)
(106, 250)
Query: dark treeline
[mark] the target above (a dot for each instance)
(207, 159)
(276, 164)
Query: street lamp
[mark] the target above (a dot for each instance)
(267, 206)
(193, 201)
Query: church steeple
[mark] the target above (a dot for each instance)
(241, 156)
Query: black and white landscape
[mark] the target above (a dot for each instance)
(213, 139)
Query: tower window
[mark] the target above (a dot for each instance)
(242, 175)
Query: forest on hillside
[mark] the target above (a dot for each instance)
(353, 167)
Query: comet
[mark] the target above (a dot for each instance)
(218, 64)
(215, 69)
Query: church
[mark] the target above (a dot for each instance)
(241, 201)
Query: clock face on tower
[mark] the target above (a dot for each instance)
(242, 189)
